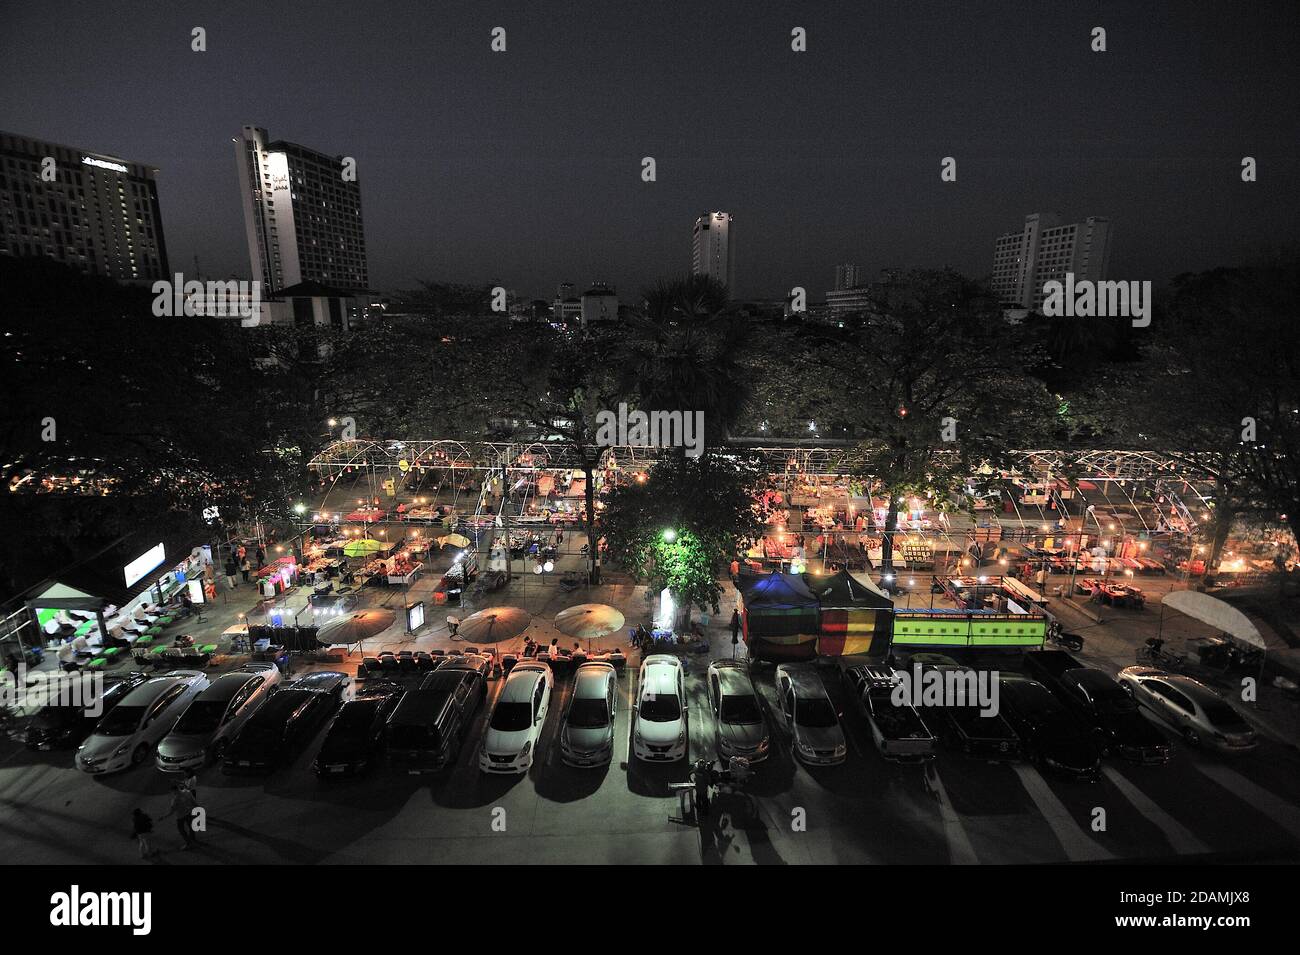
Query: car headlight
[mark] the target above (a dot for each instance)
(681, 737)
(803, 747)
(528, 748)
(121, 749)
(841, 750)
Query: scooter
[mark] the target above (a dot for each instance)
(1071, 641)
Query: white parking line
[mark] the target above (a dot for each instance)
(1078, 845)
(1181, 839)
(960, 850)
(1276, 808)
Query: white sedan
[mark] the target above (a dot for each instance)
(129, 732)
(510, 741)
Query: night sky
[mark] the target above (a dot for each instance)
(523, 167)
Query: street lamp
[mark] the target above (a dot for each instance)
(669, 535)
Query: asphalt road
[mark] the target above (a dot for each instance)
(956, 810)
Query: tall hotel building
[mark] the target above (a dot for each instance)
(303, 219)
(90, 210)
(1045, 250)
(713, 252)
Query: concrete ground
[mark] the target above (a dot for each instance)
(956, 810)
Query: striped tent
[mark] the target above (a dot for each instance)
(853, 615)
(779, 616)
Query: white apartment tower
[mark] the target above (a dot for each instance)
(302, 217)
(1045, 250)
(713, 251)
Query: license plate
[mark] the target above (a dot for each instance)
(244, 762)
(337, 769)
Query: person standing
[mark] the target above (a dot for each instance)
(142, 827)
(261, 557)
(703, 778)
(735, 625)
(244, 568)
(231, 569)
(182, 807)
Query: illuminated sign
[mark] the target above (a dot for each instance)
(144, 563)
(415, 616)
(103, 164)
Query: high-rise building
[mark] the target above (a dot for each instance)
(713, 252)
(848, 276)
(90, 210)
(599, 304)
(302, 217)
(1045, 250)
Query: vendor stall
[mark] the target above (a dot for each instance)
(855, 616)
(780, 618)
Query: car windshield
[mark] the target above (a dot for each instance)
(660, 708)
(203, 716)
(260, 733)
(412, 736)
(512, 717)
(814, 713)
(588, 714)
(48, 717)
(742, 710)
(120, 721)
(1116, 705)
(1225, 717)
(896, 722)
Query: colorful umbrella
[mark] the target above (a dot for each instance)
(362, 547)
(355, 627)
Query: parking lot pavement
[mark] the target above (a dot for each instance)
(954, 810)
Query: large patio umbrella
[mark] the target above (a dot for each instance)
(355, 627)
(494, 624)
(362, 547)
(589, 621)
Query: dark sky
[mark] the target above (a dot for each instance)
(524, 168)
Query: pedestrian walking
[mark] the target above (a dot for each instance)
(703, 778)
(240, 552)
(191, 782)
(735, 625)
(261, 558)
(453, 624)
(245, 567)
(142, 828)
(182, 807)
(231, 569)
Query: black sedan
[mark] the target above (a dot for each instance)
(1104, 705)
(286, 721)
(355, 739)
(58, 725)
(1051, 735)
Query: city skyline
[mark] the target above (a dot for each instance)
(510, 168)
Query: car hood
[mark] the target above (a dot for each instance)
(660, 734)
(1132, 729)
(1073, 754)
(102, 747)
(746, 735)
(504, 742)
(587, 738)
(179, 745)
(820, 737)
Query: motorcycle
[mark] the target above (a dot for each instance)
(1071, 641)
(1154, 654)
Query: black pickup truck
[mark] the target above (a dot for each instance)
(1101, 703)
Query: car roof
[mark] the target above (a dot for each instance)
(875, 675)
(315, 681)
(1194, 688)
(658, 678)
(1093, 679)
(661, 660)
(150, 690)
(281, 703)
(430, 699)
(734, 681)
(521, 684)
(807, 683)
(592, 680)
(227, 685)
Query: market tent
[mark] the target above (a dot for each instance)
(1218, 614)
(853, 614)
(780, 618)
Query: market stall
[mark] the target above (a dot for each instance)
(779, 615)
(855, 616)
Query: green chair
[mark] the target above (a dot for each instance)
(143, 641)
(96, 664)
(111, 651)
(159, 650)
(208, 648)
(164, 620)
(153, 631)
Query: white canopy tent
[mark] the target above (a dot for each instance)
(1222, 616)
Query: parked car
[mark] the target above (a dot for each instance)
(740, 726)
(126, 735)
(356, 736)
(60, 723)
(428, 727)
(1202, 716)
(587, 728)
(215, 715)
(659, 715)
(811, 717)
(973, 730)
(1053, 737)
(1101, 703)
(286, 721)
(896, 728)
(513, 729)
